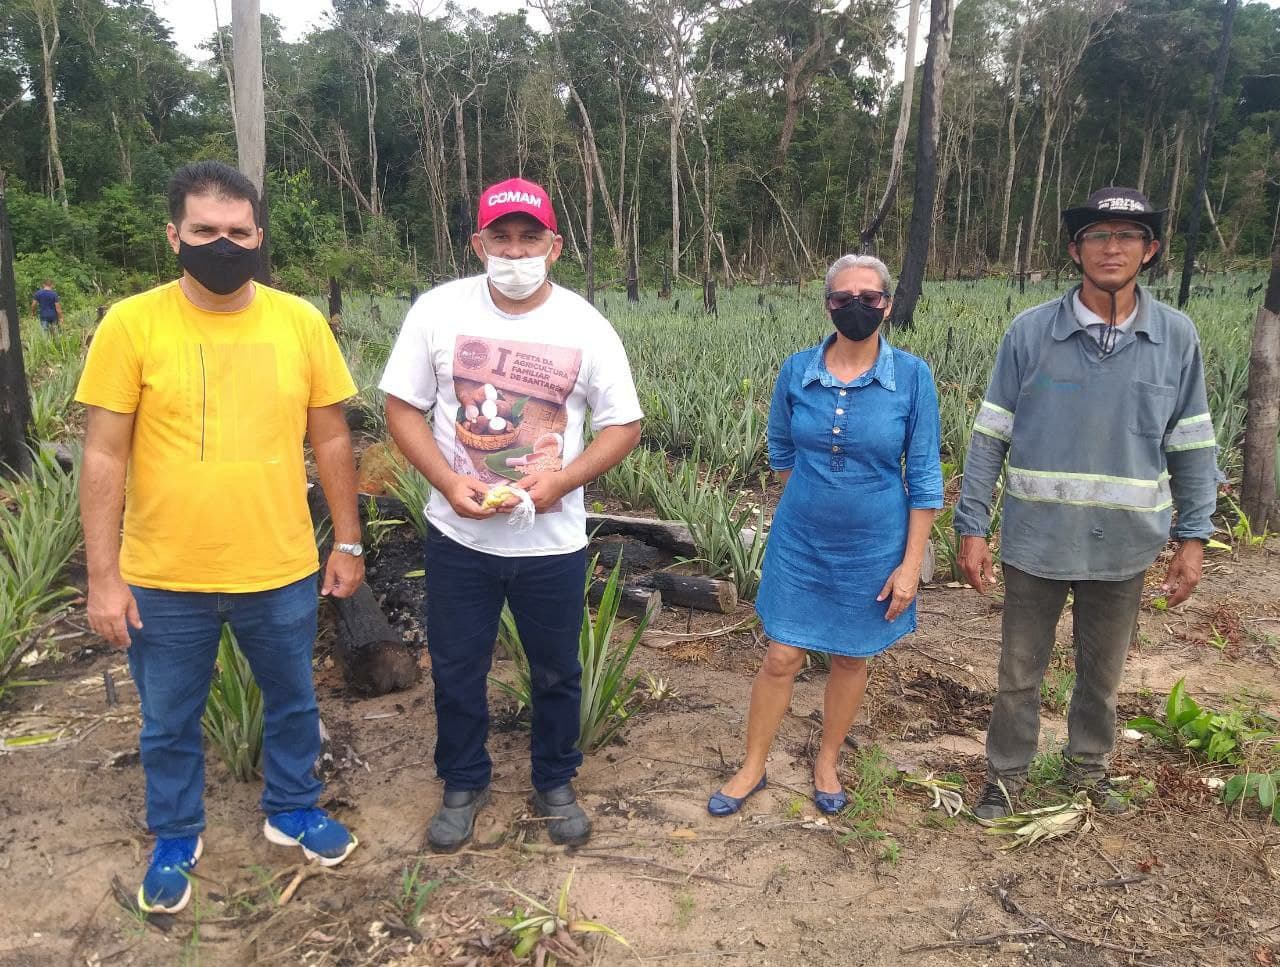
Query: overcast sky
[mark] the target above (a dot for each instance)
(194, 21)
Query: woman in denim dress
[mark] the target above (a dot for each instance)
(853, 436)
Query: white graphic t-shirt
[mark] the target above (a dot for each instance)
(509, 395)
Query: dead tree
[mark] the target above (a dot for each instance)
(15, 402)
(1206, 152)
(251, 115)
(868, 234)
(1258, 488)
(938, 53)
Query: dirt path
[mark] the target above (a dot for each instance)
(1179, 882)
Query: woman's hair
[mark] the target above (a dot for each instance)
(860, 262)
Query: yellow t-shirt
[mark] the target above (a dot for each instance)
(215, 498)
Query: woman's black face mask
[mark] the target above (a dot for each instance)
(220, 266)
(852, 317)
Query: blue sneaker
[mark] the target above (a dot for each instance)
(321, 836)
(166, 888)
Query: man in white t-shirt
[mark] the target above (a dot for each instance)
(508, 364)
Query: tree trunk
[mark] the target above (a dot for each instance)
(1015, 94)
(675, 185)
(46, 13)
(936, 57)
(15, 402)
(868, 234)
(460, 127)
(250, 114)
(1161, 263)
(1148, 136)
(1258, 486)
(1033, 226)
(1202, 178)
(588, 185)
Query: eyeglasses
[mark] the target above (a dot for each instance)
(1126, 236)
(872, 299)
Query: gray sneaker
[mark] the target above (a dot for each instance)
(569, 825)
(451, 827)
(992, 804)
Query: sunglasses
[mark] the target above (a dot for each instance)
(872, 299)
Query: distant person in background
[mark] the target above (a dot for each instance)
(1097, 400)
(200, 395)
(853, 436)
(46, 305)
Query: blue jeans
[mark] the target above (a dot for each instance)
(171, 659)
(465, 591)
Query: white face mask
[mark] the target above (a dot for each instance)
(517, 279)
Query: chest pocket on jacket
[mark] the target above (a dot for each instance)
(1150, 407)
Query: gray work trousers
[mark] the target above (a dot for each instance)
(1103, 620)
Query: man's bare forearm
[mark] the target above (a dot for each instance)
(409, 428)
(606, 451)
(336, 467)
(101, 508)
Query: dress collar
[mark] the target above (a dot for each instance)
(881, 372)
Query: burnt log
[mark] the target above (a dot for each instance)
(634, 601)
(374, 660)
(693, 591)
(668, 535)
(635, 555)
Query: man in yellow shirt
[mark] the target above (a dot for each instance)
(200, 393)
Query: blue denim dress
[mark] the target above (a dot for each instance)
(861, 455)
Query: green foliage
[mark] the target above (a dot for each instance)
(1259, 786)
(412, 489)
(606, 684)
(415, 892)
(233, 720)
(1212, 736)
(39, 531)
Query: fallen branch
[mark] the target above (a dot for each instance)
(984, 941)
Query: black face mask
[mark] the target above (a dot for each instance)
(220, 266)
(856, 321)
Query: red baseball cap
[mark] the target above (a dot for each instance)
(512, 196)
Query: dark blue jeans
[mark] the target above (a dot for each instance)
(171, 659)
(465, 591)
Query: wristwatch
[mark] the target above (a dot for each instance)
(355, 550)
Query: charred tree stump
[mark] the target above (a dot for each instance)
(374, 659)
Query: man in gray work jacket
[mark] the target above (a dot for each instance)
(1097, 400)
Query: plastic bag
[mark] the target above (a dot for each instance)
(522, 515)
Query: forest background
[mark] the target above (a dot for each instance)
(747, 140)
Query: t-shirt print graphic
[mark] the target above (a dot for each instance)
(511, 416)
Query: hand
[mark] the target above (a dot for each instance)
(465, 495)
(976, 563)
(546, 488)
(343, 574)
(902, 585)
(112, 610)
(1184, 572)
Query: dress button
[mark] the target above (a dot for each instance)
(844, 392)
(839, 412)
(835, 449)
(835, 429)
